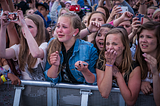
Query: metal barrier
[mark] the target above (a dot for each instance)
(43, 93)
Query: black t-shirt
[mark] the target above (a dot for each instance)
(67, 76)
(126, 75)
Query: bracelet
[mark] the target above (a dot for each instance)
(88, 31)
(3, 78)
(143, 3)
(6, 76)
(109, 65)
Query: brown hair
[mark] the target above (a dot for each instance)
(24, 55)
(151, 26)
(127, 59)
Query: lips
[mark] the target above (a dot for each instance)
(101, 44)
(60, 36)
(144, 46)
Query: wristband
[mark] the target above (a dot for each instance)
(88, 31)
(109, 65)
(3, 78)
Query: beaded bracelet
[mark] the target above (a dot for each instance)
(88, 30)
(3, 78)
(109, 65)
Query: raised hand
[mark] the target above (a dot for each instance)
(110, 56)
(126, 16)
(55, 58)
(4, 20)
(94, 26)
(152, 63)
(81, 66)
(20, 20)
(115, 11)
(135, 24)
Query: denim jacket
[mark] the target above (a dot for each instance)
(84, 51)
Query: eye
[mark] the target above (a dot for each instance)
(127, 26)
(115, 43)
(64, 27)
(107, 43)
(99, 19)
(99, 35)
(93, 19)
(156, 17)
(141, 36)
(29, 26)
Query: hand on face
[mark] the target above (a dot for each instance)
(55, 58)
(110, 56)
(94, 26)
(81, 66)
(152, 62)
(146, 88)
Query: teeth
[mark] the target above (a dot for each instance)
(100, 43)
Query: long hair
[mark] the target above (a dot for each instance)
(24, 56)
(125, 65)
(55, 44)
(151, 26)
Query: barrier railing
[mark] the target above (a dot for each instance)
(45, 93)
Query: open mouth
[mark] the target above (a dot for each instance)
(101, 44)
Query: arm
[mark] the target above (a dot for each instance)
(12, 33)
(114, 12)
(104, 78)
(32, 44)
(53, 13)
(104, 81)
(93, 27)
(142, 7)
(135, 25)
(156, 78)
(5, 53)
(130, 93)
(124, 17)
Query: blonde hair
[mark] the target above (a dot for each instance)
(55, 44)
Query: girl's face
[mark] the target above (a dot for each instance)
(31, 26)
(150, 13)
(64, 29)
(114, 42)
(157, 17)
(148, 41)
(100, 37)
(85, 20)
(97, 17)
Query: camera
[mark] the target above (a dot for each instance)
(74, 8)
(140, 18)
(12, 17)
(124, 9)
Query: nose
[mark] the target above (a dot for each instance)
(110, 47)
(144, 39)
(59, 29)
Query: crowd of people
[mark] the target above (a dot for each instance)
(108, 43)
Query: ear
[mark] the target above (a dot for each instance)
(76, 31)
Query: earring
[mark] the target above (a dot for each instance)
(73, 34)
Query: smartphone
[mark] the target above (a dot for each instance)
(12, 17)
(140, 18)
(124, 9)
(74, 7)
